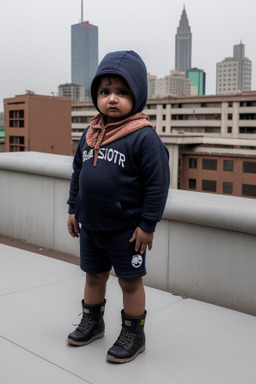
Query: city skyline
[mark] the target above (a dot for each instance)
(35, 49)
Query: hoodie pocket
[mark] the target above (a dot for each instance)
(97, 213)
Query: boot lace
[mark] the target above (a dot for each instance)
(124, 338)
(84, 323)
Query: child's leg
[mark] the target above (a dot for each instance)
(133, 296)
(131, 340)
(95, 288)
(92, 324)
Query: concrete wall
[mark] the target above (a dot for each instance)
(34, 190)
(204, 248)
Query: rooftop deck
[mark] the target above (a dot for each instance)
(188, 341)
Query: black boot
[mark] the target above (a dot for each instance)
(131, 340)
(91, 327)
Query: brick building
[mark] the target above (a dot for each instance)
(38, 123)
(219, 172)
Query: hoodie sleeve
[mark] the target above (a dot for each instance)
(74, 184)
(155, 173)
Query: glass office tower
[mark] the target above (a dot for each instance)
(84, 54)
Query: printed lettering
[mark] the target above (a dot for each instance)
(121, 159)
(106, 154)
(87, 155)
(101, 155)
(116, 153)
(110, 154)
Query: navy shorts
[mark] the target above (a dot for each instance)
(100, 251)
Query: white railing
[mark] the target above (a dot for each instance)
(204, 248)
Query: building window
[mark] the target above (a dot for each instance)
(247, 130)
(80, 119)
(249, 167)
(209, 185)
(210, 164)
(249, 190)
(227, 187)
(229, 129)
(212, 130)
(191, 183)
(228, 165)
(16, 119)
(192, 163)
(17, 144)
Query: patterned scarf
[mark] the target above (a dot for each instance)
(100, 134)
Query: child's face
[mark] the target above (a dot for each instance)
(114, 98)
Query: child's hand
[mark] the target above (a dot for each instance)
(73, 226)
(143, 240)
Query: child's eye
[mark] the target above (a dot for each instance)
(104, 92)
(124, 93)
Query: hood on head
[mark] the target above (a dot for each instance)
(130, 66)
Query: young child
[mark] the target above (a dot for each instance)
(117, 194)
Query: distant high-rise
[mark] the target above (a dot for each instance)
(234, 73)
(197, 80)
(84, 53)
(183, 44)
(175, 84)
(71, 91)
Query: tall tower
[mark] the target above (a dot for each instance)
(183, 44)
(84, 53)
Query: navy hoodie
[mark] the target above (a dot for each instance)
(129, 185)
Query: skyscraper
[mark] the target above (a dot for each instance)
(234, 73)
(183, 44)
(84, 53)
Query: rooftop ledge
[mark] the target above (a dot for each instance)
(38, 163)
(213, 210)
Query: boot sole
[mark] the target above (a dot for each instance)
(81, 343)
(114, 359)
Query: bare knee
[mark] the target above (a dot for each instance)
(97, 279)
(130, 285)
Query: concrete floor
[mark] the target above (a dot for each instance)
(188, 342)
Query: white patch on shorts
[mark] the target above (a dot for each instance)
(137, 261)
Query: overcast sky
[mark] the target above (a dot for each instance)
(35, 37)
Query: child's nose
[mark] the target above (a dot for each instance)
(112, 98)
